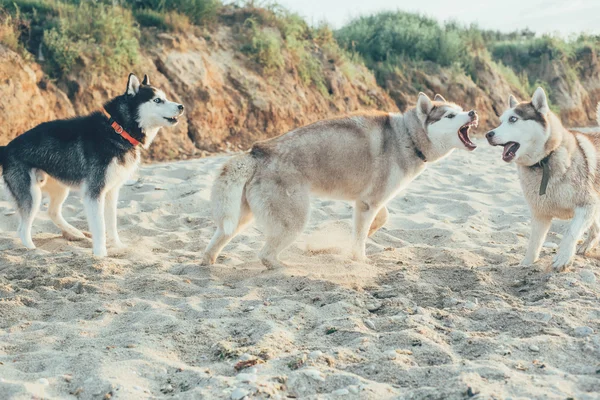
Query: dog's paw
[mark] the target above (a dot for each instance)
(561, 261)
(527, 262)
(273, 264)
(117, 245)
(101, 253)
(206, 261)
(361, 258)
(585, 248)
(73, 236)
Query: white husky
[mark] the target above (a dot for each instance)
(366, 158)
(559, 172)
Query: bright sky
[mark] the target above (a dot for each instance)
(544, 16)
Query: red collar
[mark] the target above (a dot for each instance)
(119, 129)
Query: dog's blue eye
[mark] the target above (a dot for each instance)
(450, 116)
(157, 100)
(513, 119)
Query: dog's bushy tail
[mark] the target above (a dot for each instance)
(228, 190)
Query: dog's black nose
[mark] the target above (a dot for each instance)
(472, 113)
(490, 134)
(181, 107)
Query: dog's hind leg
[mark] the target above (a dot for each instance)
(282, 212)
(28, 203)
(583, 218)
(380, 220)
(220, 239)
(58, 193)
(364, 216)
(112, 198)
(93, 203)
(592, 239)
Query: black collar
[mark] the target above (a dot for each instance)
(420, 154)
(418, 151)
(544, 164)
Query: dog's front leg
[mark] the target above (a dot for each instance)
(93, 203)
(364, 214)
(582, 219)
(112, 197)
(539, 230)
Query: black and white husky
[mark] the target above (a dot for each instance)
(96, 153)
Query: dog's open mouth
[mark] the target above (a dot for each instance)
(510, 150)
(463, 134)
(172, 120)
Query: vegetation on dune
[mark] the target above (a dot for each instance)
(9, 34)
(103, 35)
(198, 11)
(391, 42)
(279, 40)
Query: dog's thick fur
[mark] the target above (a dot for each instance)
(84, 153)
(573, 187)
(365, 158)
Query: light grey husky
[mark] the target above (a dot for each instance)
(365, 158)
(559, 172)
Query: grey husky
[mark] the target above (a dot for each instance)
(96, 153)
(364, 158)
(559, 172)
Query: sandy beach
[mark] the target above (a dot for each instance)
(441, 311)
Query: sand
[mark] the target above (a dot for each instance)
(441, 311)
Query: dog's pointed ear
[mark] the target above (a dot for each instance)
(424, 106)
(439, 97)
(540, 101)
(133, 85)
(512, 101)
(146, 80)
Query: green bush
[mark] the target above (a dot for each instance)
(62, 51)
(151, 18)
(264, 47)
(198, 11)
(521, 54)
(105, 35)
(43, 7)
(9, 34)
(380, 36)
(170, 21)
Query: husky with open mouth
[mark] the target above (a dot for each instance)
(559, 172)
(96, 153)
(364, 158)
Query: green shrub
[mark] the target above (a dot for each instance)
(9, 34)
(170, 21)
(151, 18)
(62, 51)
(521, 54)
(43, 7)
(105, 35)
(308, 65)
(413, 36)
(198, 11)
(264, 46)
